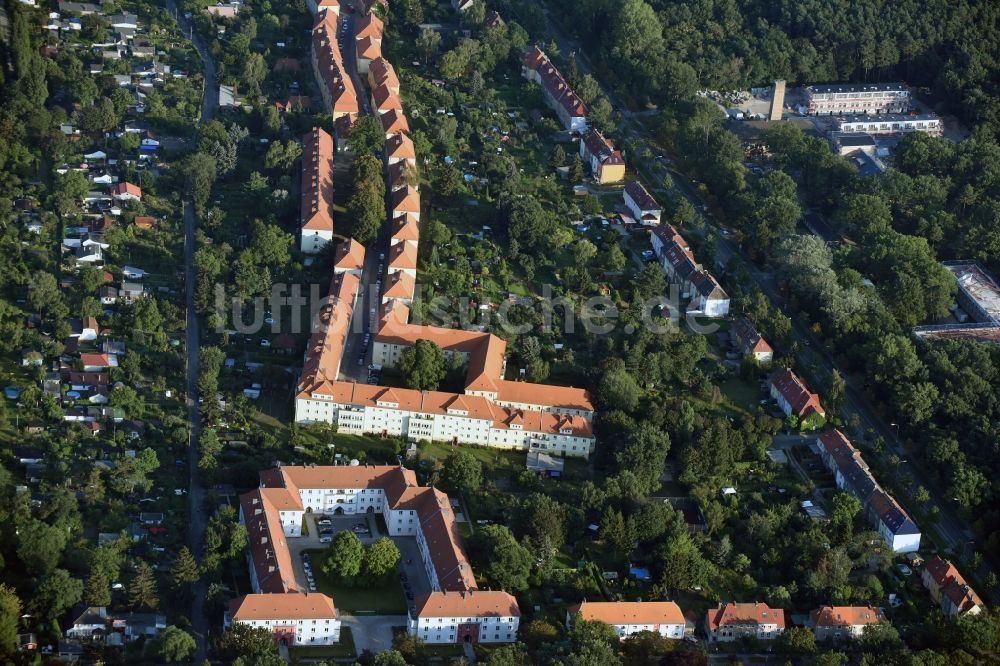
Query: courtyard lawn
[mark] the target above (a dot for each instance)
(375, 598)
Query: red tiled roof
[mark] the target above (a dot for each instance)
(845, 616)
(317, 181)
(477, 603)
(289, 606)
(748, 339)
(795, 392)
(733, 613)
(401, 146)
(629, 612)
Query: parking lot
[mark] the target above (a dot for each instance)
(323, 527)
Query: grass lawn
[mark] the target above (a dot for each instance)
(343, 649)
(495, 462)
(742, 394)
(377, 598)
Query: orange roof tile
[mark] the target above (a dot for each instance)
(630, 612)
(733, 613)
(368, 48)
(325, 348)
(381, 72)
(400, 285)
(406, 200)
(405, 228)
(394, 121)
(369, 25)
(401, 146)
(350, 255)
(268, 550)
(290, 606)
(474, 603)
(845, 616)
(565, 397)
(317, 181)
(403, 256)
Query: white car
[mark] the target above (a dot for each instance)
(265, 343)
(325, 539)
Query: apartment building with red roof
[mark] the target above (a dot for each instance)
(474, 616)
(334, 81)
(381, 72)
(631, 617)
(949, 589)
(560, 97)
(399, 148)
(795, 399)
(316, 216)
(293, 618)
(273, 513)
(840, 622)
(734, 621)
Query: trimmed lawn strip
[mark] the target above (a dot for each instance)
(374, 598)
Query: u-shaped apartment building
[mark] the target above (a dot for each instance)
(455, 611)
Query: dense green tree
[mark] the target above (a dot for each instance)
(55, 593)
(423, 365)
(462, 472)
(504, 561)
(10, 613)
(346, 555)
(175, 645)
(184, 570)
(380, 558)
(366, 135)
(142, 592)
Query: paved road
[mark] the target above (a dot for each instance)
(196, 492)
(954, 531)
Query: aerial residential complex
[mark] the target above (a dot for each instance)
(879, 507)
(492, 411)
(862, 98)
(455, 611)
(572, 112)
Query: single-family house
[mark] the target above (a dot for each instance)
(133, 273)
(108, 295)
(98, 362)
(124, 21)
(130, 291)
(126, 192)
(88, 622)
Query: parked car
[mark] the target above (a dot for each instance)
(325, 539)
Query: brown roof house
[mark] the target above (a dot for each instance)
(606, 163)
(796, 401)
(949, 589)
(733, 621)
